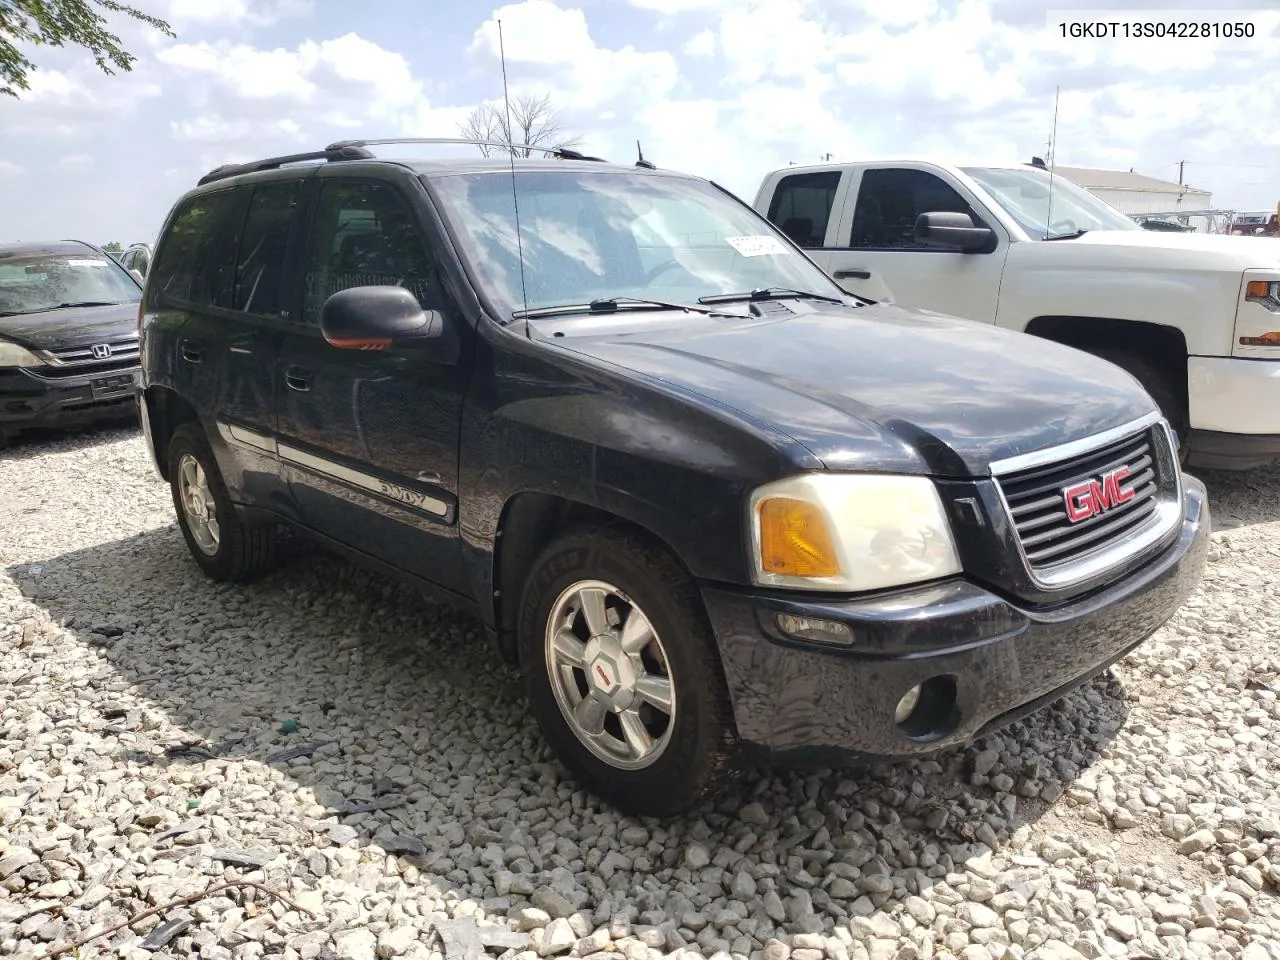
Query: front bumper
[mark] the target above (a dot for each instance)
(1234, 407)
(801, 702)
(29, 401)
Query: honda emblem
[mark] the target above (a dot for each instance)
(1097, 495)
(101, 351)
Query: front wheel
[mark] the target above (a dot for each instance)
(623, 674)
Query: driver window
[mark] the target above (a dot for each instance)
(884, 217)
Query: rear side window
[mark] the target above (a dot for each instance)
(193, 264)
(263, 243)
(364, 235)
(801, 206)
(889, 202)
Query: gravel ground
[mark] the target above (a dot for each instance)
(346, 745)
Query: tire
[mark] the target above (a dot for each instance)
(1169, 397)
(695, 751)
(235, 551)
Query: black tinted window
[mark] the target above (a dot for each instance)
(193, 262)
(263, 242)
(364, 236)
(889, 202)
(801, 206)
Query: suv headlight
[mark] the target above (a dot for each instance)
(850, 532)
(12, 355)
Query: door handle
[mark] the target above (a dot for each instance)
(296, 378)
(191, 351)
(856, 273)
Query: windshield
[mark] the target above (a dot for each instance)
(600, 235)
(1024, 194)
(35, 282)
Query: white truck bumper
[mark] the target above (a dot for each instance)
(1234, 408)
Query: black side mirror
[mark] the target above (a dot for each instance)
(375, 318)
(954, 230)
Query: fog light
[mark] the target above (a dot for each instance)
(907, 704)
(812, 629)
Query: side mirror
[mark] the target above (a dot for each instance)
(954, 230)
(374, 318)
(137, 275)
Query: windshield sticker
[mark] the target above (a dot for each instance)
(757, 246)
(72, 262)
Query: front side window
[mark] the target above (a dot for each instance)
(889, 201)
(192, 263)
(263, 242)
(801, 206)
(38, 282)
(587, 235)
(1025, 195)
(364, 235)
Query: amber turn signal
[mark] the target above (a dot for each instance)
(795, 540)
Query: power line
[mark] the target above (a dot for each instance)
(1206, 163)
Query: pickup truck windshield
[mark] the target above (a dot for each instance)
(48, 281)
(1024, 194)
(610, 235)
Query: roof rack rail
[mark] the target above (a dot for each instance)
(560, 153)
(330, 154)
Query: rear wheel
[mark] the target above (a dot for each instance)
(223, 546)
(623, 674)
(1169, 396)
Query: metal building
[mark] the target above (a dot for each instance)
(1132, 193)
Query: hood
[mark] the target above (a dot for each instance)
(1193, 249)
(72, 327)
(878, 388)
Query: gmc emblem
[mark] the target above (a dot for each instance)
(1092, 497)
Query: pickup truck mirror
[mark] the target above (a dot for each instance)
(137, 275)
(953, 230)
(376, 318)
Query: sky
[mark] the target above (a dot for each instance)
(725, 89)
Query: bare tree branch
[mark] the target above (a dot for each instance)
(534, 123)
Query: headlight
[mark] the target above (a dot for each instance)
(12, 355)
(850, 532)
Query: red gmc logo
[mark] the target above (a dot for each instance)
(1092, 497)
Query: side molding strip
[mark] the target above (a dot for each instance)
(410, 498)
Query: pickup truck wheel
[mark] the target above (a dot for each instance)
(623, 675)
(1161, 387)
(223, 546)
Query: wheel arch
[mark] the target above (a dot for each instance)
(166, 410)
(1162, 344)
(528, 522)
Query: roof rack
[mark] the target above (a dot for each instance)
(560, 153)
(331, 153)
(356, 150)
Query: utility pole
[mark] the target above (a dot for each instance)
(1180, 164)
(826, 156)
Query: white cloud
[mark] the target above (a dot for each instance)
(223, 13)
(75, 161)
(701, 44)
(10, 169)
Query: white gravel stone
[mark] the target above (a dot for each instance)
(141, 734)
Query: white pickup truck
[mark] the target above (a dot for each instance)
(1194, 317)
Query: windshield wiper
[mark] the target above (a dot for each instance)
(771, 293)
(90, 303)
(603, 305)
(1066, 236)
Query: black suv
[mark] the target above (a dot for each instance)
(714, 507)
(68, 336)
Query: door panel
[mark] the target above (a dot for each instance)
(224, 358)
(879, 257)
(369, 438)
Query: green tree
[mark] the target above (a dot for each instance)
(56, 23)
(114, 248)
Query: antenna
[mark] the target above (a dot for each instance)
(1053, 160)
(640, 160)
(515, 199)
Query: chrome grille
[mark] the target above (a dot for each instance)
(1136, 509)
(81, 361)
